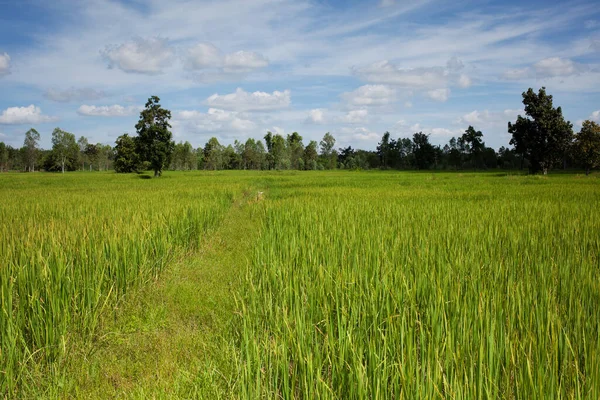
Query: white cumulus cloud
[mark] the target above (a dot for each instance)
(204, 55)
(547, 68)
(355, 117)
(108, 111)
(244, 61)
(24, 115)
(388, 73)
(212, 65)
(595, 116)
(144, 56)
(214, 120)
(316, 116)
(440, 95)
(488, 118)
(464, 81)
(241, 100)
(556, 66)
(4, 64)
(370, 95)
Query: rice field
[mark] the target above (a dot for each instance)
(359, 285)
(71, 247)
(425, 286)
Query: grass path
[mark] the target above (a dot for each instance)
(174, 339)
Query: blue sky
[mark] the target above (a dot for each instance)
(237, 68)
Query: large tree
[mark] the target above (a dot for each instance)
(154, 141)
(423, 151)
(296, 148)
(92, 153)
(474, 146)
(587, 145)
(126, 157)
(213, 154)
(543, 136)
(328, 153)
(30, 146)
(310, 155)
(64, 149)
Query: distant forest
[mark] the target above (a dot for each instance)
(541, 141)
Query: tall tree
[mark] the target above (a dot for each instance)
(474, 146)
(126, 157)
(30, 145)
(423, 151)
(296, 148)
(279, 153)
(154, 141)
(3, 157)
(384, 148)
(82, 142)
(269, 142)
(64, 148)
(587, 145)
(213, 154)
(310, 155)
(92, 153)
(543, 137)
(328, 153)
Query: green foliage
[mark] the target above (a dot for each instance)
(296, 150)
(545, 137)
(213, 155)
(65, 151)
(310, 156)
(587, 145)
(474, 146)
(126, 156)
(30, 144)
(154, 140)
(423, 151)
(183, 157)
(328, 153)
(3, 157)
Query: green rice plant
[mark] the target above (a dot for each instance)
(72, 246)
(397, 285)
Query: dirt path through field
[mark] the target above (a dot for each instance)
(174, 340)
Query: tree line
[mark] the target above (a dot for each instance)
(541, 140)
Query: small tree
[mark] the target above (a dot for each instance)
(30, 145)
(126, 157)
(587, 145)
(328, 152)
(154, 141)
(64, 148)
(310, 155)
(545, 137)
(82, 142)
(92, 152)
(3, 157)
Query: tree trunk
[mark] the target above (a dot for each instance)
(545, 171)
(63, 166)
(156, 173)
(587, 171)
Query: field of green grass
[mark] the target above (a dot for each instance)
(330, 285)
